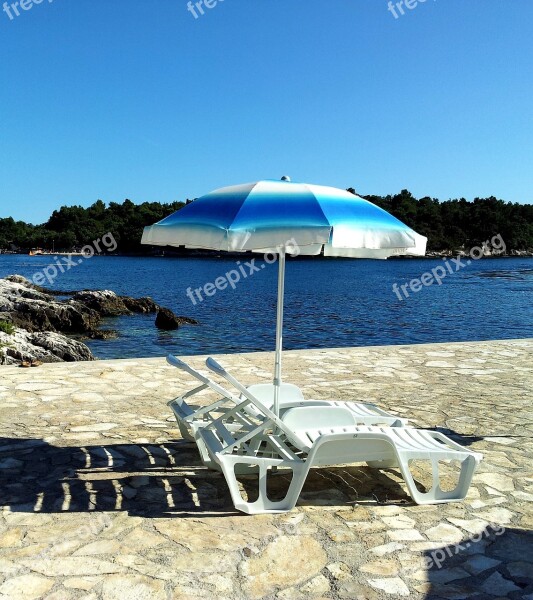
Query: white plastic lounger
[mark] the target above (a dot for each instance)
(297, 443)
(190, 418)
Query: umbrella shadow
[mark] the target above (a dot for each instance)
(460, 438)
(494, 562)
(159, 480)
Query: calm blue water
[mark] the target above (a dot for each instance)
(329, 303)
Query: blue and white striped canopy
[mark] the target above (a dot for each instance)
(270, 215)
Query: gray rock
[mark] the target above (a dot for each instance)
(105, 302)
(140, 305)
(48, 347)
(108, 304)
(167, 320)
(34, 310)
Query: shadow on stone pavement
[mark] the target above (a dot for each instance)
(159, 480)
(494, 563)
(464, 440)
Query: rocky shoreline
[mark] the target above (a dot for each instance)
(48, 326)
(487, 254)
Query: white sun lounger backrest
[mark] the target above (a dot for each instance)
(214, 366)
(264, 392)
(262, 411)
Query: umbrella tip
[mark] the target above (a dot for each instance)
(285, 178)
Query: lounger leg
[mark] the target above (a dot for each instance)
(203, 452)
(436, 495)
(204, 455)
(185, 433)
(263, 504)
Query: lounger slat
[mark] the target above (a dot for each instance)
(427, 443)
(284, 452)
(411, 443)
(446, 445)
(362, 409)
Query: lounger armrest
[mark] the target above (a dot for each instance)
(217, 368)
(176, 362)
(454, 445)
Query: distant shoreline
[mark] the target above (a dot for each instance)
(215, 254)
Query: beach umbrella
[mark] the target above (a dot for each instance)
(286, 217)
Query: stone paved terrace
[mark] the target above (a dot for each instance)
(101, 499)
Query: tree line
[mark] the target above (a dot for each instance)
(448, 225)
(455, 224)
(72, 227)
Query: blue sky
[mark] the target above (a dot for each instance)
(137, 99)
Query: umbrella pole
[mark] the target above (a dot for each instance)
(279, 329)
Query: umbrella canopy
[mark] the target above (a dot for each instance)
(276, 214)
(286, 217)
